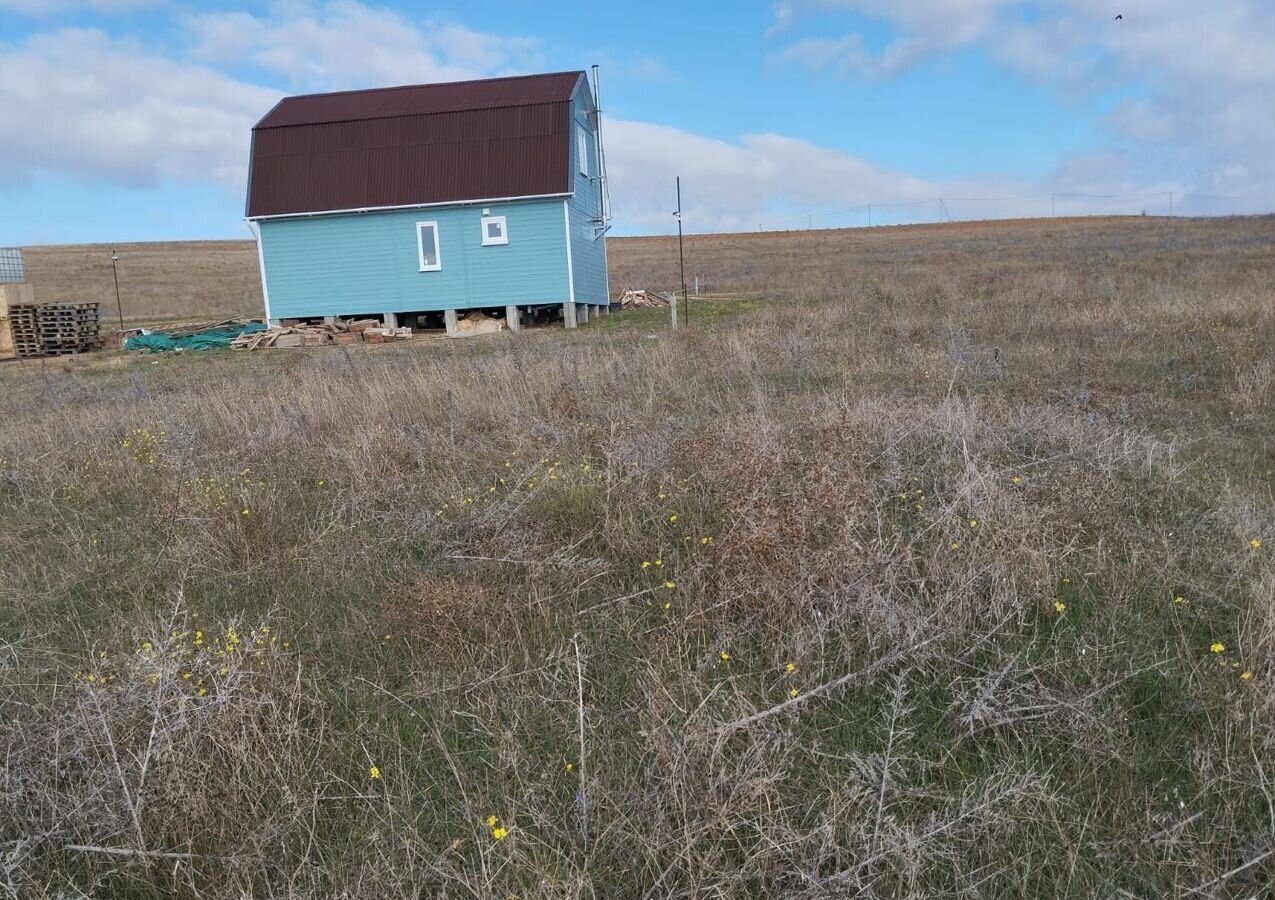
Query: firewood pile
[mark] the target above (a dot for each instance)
(366, 331)
(639, 299)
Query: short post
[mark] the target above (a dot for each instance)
(449, 320)
(672, 309)
(569, 314)
(582, 313)
(389, 319)
(513, 318)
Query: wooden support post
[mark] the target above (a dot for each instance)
(672, 309)
(513, 318)
(449, 319)
(569, 314)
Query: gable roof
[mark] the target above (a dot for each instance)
(413, 145)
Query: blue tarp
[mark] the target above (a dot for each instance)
(211, 339)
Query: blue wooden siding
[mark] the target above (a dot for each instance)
(342, 265)
(588, 257)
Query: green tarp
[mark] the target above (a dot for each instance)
(212, 339)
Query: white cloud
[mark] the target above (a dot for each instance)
(343, 44)
(1202, 72)
(77, 102)
(761, 179)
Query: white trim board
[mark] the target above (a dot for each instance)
(371, 209)
(571, 275)
(261, 264)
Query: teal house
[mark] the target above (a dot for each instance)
(416, 204)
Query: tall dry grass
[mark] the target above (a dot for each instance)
(909, 586)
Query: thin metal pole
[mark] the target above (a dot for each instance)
(681, 257)
(1170, 203)
(1051, 206)
(869, 215)
(119, 307)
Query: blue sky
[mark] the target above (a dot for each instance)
(128, 119)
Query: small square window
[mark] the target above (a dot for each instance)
(494, 230)
(427, 246)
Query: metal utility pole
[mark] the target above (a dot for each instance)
(115, 272)
(681, 256)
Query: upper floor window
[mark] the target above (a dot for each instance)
(582, 149)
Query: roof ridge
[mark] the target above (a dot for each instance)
(396, 115)
(426, 84)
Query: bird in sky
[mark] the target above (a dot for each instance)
(1119, 16)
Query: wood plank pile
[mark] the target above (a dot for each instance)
(55, 329)
(640, 299)
(368, 331)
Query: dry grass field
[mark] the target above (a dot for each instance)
(936, 562)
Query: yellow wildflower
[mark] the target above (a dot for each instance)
(956, 545)
(500, 833)
(706, 540)
(668, 605)
(659, 564)
(793, 692)
(374, 773)
(790, 668)
(1178, 601)
(646, 564)
(570, 767)
(1059, 606)
(673, 518)
(724, 656)
(493, 821)
(147, 647)
(973, 523)
(1015, 480)
(1256, 543)
(1246, 675)
(669, 585)
(1217, 647)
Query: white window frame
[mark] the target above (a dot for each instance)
(489, 241)
(420, 248)
(582, 149)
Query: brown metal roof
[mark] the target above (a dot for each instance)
(429, 143)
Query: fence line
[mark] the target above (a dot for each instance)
(1026, 206)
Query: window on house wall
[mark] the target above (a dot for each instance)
(494, 231)
(582, 149)
(427, 246)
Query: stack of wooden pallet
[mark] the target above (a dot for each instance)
(25, 331)
(54, 329)
(68, 328)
